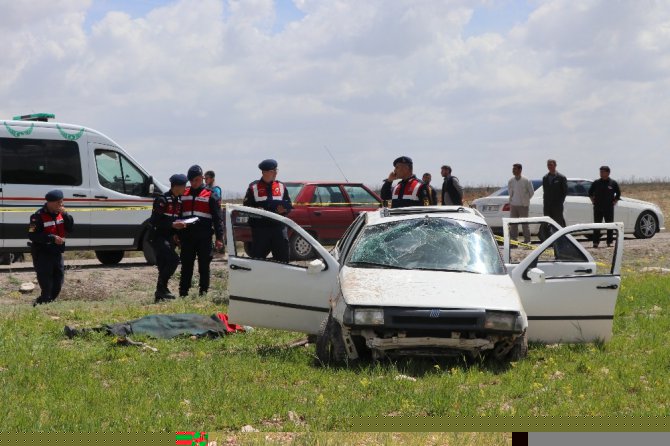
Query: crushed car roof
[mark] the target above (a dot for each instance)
(386, 215)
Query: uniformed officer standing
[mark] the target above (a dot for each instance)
(269, 194)
(410, 191)
(47, 230)
(196, 238)
(164, 226)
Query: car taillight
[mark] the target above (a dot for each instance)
(506, 207)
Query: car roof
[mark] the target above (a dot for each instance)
(386, 215)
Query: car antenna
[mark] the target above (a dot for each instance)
(338, 166)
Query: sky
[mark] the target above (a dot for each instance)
(476, 84)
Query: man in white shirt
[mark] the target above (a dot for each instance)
(520, 192)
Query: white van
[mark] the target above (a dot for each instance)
(108, 193)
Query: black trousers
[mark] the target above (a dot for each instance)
(266, 239)
(192, 247)
(167, 259)
(598, 216)
(50, 271)
(555, 211)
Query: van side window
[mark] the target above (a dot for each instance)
(117, 173)
(40, 161)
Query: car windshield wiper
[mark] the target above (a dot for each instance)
(448, 270)
(374, 265)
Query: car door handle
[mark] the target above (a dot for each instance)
(587, 270)
(101, 196)
(78, 195)
(608, 287)
(317, 212)
(241, 268)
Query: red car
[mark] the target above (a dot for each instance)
(324, 209)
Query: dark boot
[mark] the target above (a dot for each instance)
(162, 293)
(41, 300)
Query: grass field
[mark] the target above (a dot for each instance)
(90, 383)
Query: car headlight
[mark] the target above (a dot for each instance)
(500, 321)
(364, 316)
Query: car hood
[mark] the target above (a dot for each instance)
(428, 289)
(640, 202)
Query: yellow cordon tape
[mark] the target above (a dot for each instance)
(527, 245)
(82, 209)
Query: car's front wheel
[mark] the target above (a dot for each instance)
(520, 349)
(300, 248)
(330, 349)
(646, 225)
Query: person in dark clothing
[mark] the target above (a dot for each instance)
(452, 191)
(46, 231)
(604, 194)
(196, 239)
(430, 190)
(271, 195)
(554, 189)
(410, 191)
(164, 224)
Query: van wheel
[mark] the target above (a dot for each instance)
(6, 258)
(109, 257)
(300, 248)
(148, 249)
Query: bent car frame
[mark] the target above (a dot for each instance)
(426, 281)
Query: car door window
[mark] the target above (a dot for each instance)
(328, 196)
(578, 188)
(360, 197)
(117, 173)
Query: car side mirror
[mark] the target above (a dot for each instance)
(315, 266)
(536, 275)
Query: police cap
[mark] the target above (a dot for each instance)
(54, 195)
(178, 179)
(268, 164)
(194, 171)
(404, 160)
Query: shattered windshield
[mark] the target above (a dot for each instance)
(429, 243)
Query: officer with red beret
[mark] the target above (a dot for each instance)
(47, 231)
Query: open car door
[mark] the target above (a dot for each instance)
(292, 296)
(568, 295)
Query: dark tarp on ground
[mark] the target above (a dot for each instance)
(166, 326)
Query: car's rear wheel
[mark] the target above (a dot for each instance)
(330, 348)
(646, 225)
(109, 257)
(300, 248)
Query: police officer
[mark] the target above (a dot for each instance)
(196, 238)
(604, 194)
(269, 194)
(164, 224)
(410, 191)
(47, 230)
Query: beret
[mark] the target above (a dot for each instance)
(178, 179)
(194, 171)
(54, 195)
(404, 160)
(268, 164)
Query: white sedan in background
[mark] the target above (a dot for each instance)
(640, 218)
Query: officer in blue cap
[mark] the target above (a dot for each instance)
(410, 191)
(196, 239)
(47, 230)
(164, 224)
(269, 194)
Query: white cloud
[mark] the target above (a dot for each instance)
(213, 82)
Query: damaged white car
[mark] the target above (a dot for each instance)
(424, 281)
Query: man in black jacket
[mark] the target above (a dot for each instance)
(554, 189)
(430, 190)
(452, 191)
(604, 194)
